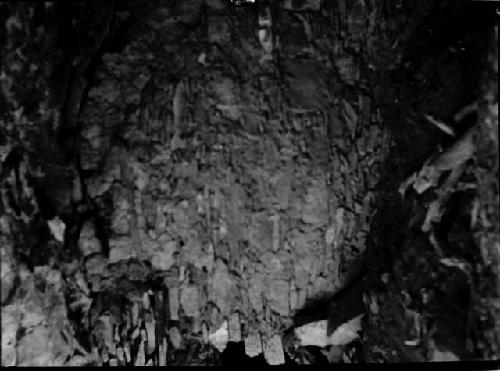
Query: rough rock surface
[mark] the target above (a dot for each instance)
(214, 178)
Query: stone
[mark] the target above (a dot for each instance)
(339, 221)
(121, 219)
(293, 295)
(216, 4)
(10, 324)
(220, 337)
(163, 257)
(188, 11)
(88, 242)
(302, 5)
(95, 282)
(234, 325)
(260, 233)
(330, 234)
(255, 290)
(126, 352)
(322, 286)
(190, 300)
(95, 265)
(57, 228)
(134, 314)
(301, 298)
(356, 19)
(444, 356)
(96, 356)
(140, 359)
(98, 186)
(201, 256)
(42, 346)
(276, 232)
(175, 337)
(305, 244)
(225, 91)
(273, 351)
(171, 278)
(315, 210)
(146, 303)
(182, 273)
(347, 69)
(253, 344)
(222, 287)
(313, 334)
(106, 330)
(81, 283)
(334, 354)
(350, 117)
(151, 342)
(306, 85)
(141, 177)
(230, 111)
(173, 301)
(204, 332)
(7, 267)
(162, 353)
(302, 271)
(135, 334)
(160, 220)
(120, 356)
(80, 361)
(218, 30)
(347, 332)
(121, 248)
(278, 296)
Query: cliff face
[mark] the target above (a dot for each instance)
(180, 175)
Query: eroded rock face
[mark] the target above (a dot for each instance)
(225, 183)
(215, 179)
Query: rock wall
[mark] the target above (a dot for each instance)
(237, 179)
(183, 175)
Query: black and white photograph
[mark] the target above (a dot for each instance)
(250, 183)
